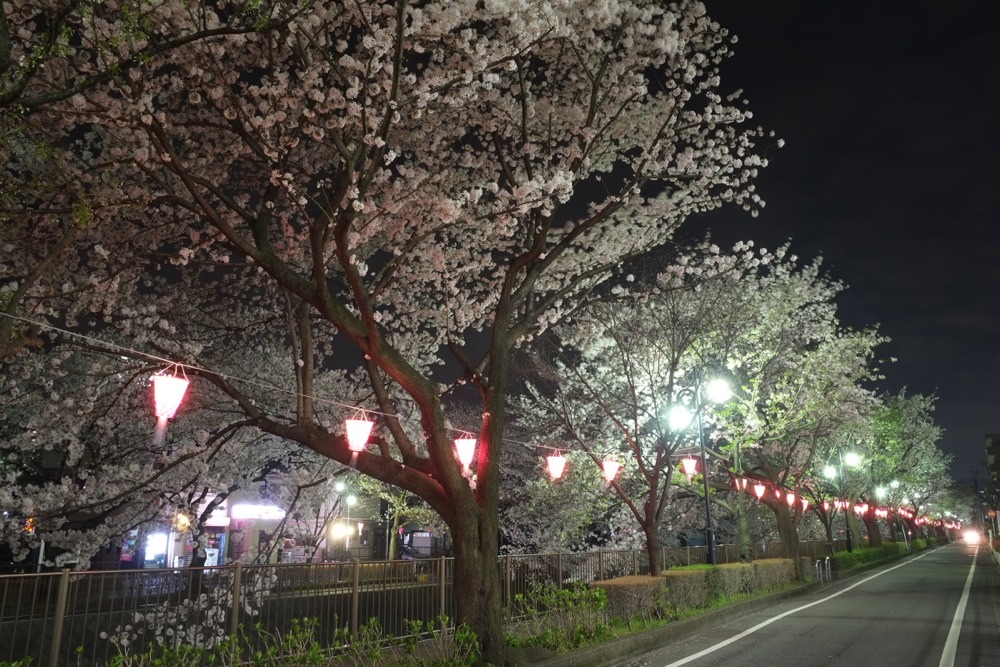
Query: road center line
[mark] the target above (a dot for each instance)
(951, 644)
(759, 626)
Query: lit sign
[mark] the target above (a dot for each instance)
(264, 512)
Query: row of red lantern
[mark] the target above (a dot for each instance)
(556, 464)
(169, 390)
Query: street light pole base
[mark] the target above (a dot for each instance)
(710, 544)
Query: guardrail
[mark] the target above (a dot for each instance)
(824, 571)
(47, 616)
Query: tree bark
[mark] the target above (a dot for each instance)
(743, 529)
(789, 534)
(653, 548)
(477, 583)
(871, 527)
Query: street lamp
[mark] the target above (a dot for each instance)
(850, 459)
(349, 500)
(717, 391)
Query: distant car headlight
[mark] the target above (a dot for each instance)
(972, 537)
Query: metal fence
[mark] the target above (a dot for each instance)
(84, 618)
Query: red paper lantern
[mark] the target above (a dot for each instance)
(168, 392)
(610, 468)
(557, 464)
(759, 490)
(689, 466)
(805, 504)
(358, 431)
(466, 448)
(790, 498)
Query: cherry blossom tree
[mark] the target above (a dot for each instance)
(414, 189)
(623, 365)
(51, 50)
(804, 377)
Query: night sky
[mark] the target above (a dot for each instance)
(889, 172)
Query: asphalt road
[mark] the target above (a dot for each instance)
(940, 608)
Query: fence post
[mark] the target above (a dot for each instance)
(559, 571)
(600, 565)
(441, 586)
(507, 576)
(234, 621)
(62, 598)
(355, 595)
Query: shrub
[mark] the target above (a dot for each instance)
(634, 596)
(558, 618)
(845, 560)
(687, 588)
(737, 579)
(919, 544)
(441, 647)
(772, 573)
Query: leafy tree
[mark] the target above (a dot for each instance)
(393, 186)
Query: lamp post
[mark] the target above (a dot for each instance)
(680, 418)
(348, 501)
(850, 459)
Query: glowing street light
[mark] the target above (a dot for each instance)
(847, 460)
(680, 416)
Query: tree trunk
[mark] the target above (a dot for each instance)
(856, 537)
(743, 529)
(478, 600)
(653, 548)
(871, 527)
(789, 535)
(827, 521)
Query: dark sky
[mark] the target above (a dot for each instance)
(890, 117)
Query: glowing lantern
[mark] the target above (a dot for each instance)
(826, 506)
(689, 466)
(790, 498)
(610, 468)
(168, 392)
(741, 483)
(556, 463)
(358, 431)
(466, 448)
(759, 490)
(805, 503)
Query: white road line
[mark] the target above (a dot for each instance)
(951, 644)
(750, 631)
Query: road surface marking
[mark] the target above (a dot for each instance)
(951, 644)
(759, 626)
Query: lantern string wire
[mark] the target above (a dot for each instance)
(114, 347)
